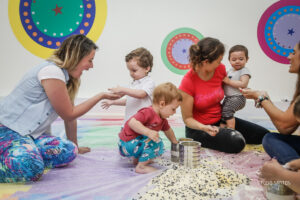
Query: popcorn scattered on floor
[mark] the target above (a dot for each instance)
(209, 180)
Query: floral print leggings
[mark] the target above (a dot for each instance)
(23, 158)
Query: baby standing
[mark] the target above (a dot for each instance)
(139, 138)
(139, 63)
(237, 77)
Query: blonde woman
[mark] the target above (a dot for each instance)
(44, 93)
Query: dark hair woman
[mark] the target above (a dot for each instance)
(201, 106)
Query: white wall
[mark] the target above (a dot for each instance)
(135, 23)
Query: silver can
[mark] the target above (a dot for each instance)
(189, 154)
(279, 191)
(175, 149)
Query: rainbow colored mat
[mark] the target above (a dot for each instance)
(103, 175)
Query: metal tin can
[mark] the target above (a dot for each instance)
(189, 154)
(175, 149)
(279, 191)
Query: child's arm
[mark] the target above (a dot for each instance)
(171, 136)
(138, 127)
(242, 83)
(136, 93)
(107, 103)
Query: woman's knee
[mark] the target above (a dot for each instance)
(269, 139)
(238, 142)
(67, 153)
(238, 146)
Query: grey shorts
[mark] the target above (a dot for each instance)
(231, 104)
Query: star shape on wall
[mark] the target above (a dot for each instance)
(291, 31)
(57, 10)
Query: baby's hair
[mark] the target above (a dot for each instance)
(236, 48)
(207, 48)
(166, 92)
(297, 107)
(143, 56)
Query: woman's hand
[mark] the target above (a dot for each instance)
(249, 93)
(211, 130)
(117, 90)
(270, 170)
(253, 94)
(109, 95)
(293, 165)
(82, 150)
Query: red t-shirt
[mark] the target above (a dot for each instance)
(207, 94)
(149, 118)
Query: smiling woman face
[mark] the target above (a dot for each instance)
(85, 64)
(294, 59)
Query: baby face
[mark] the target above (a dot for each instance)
(136, 72)
(238, 60)
(169, 110)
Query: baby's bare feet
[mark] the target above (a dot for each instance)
(143, 169)
(135, 161)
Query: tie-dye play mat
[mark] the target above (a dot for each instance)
(103, 174)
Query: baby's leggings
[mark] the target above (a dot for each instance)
(23, 158)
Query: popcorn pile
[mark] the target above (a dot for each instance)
(209, 181)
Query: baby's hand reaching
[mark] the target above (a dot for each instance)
(175, 142)
(106, 104)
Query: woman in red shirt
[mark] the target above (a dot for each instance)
(202, 95)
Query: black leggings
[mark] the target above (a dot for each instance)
(228, 140)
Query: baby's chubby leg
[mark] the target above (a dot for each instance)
(151, 151)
